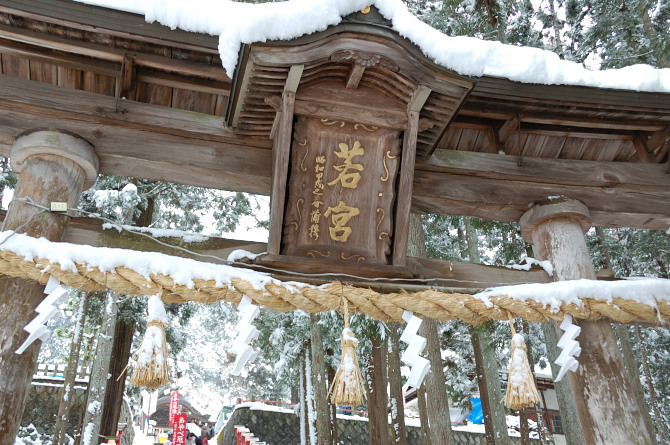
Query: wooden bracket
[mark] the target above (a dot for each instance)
(355, 76)
(508, 129)
(642, 150)
(418, 98)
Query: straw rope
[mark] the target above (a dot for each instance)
(434, 304)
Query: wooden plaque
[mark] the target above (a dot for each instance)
(341, 192)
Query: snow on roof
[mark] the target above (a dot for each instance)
(238, 23)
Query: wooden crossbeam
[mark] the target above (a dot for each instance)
(495, 187)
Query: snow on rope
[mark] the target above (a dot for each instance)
(179, 279)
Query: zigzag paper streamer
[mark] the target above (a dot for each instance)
(415, 344)
(247, 333)
(570, 348)
(46, 310)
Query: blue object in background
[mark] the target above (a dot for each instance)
(476, 415)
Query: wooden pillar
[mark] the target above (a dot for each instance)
(607, 409)
(51, 167)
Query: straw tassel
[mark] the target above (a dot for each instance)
(521, 390)
(152, 368)
(347, 386)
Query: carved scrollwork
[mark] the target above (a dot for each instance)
(364, 59)
(274, 102)
(425, 124)
(313, 253)
(302, 162)
(347, 258)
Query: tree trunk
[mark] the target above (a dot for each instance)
(98, 382)
(660, 425)
(524, 431)
(600, 385)
(490, 393)
(488, 372)
(304, 423)
(123, 342)
(43, 178)
(333, 408)
(423, 414)
(376, 392)
(436, 388)
(310, 409)
(319, 382)
(398, 430)
(631, 366)
(70, 372)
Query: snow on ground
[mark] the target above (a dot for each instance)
(30, 436)
(238, 23)
(141, 438)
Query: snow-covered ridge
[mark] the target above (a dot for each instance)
(238, 23)
(647, 291)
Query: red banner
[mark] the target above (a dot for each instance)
(179, 429)
(174, 407)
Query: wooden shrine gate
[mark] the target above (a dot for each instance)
(348, 130)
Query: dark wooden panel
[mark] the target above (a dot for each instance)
(193, 101)
(43, 72)
(70, 78)
(100, 84)
(15, 66)
(154, 94)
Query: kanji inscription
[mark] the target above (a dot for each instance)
(341, 192)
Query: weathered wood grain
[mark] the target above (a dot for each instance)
(90, 18)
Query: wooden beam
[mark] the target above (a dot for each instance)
(183, 82)
(126, 77)
(293, 78)
(657, 139)
(88, 231)
(243, 90)
(44, 55)
(643, 154)
(116, 23)
(405, 183)
(109, 54)
(61, 103)
(355, 76)
(494, 144)
(495, 187)
(281, 151)
(141, 140)
(419, 98)
(561, 120)
(507, 130)
(373, 116)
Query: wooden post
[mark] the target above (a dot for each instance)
(607, 408)
(52, 167)
(281, 150)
